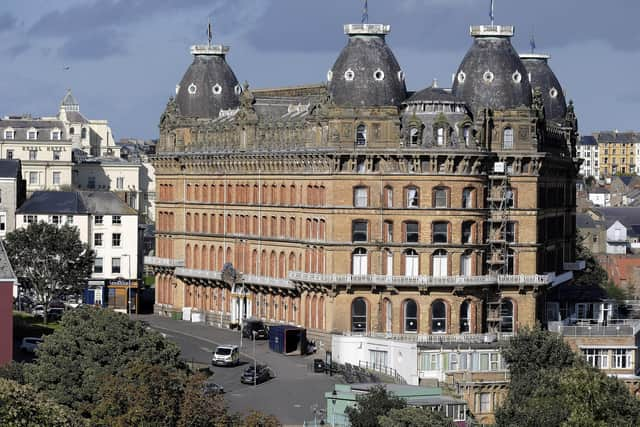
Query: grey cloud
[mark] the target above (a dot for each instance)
(17, 49)
(7, 22)
(94, 45)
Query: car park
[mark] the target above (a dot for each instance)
(226, 355)
(255, 328)
(30, 344)
(257, 375)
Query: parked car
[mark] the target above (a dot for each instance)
(209, 387)
(249, 327)
(38, 310)
(258, 375)
(29, 344)
(226, 355)
(55, 313)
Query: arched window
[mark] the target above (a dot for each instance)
(359, 315)
(412, 197)
(388, 317)
(359, 262)
(467, 198)
(465, 317)
(506, 316)
(466, 267)
(440, 268)
(507, 141)
(410, 263)
(410, 316)
(440, 136)
(438, 317)
(388, 197)
(466, 135)
(361, 135)
(467, 232)
(414, 135)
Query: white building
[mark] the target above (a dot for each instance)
(600, 197)
(107, 225)
(587, 150)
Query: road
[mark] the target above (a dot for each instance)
(290, 396)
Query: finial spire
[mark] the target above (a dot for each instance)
(209, 32)
(491, 15)
(365, 12)
(532, 42)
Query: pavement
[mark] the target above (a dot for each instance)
(291, 396)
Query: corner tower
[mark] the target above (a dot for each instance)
(367, 74)
(542, 77)
(491, 74)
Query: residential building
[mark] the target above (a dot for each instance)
(587, 150)
(600, 197)
(616, 151)
(108, 226)
(7, 282)
(12, 194)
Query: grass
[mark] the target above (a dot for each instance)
(27, 325)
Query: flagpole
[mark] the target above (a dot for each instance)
(491, 13)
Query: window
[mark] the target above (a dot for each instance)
(97, 239)
(115, 265)
(484, 403)
(510, 232)
(359, 261)
(33, 154)
(115, 240)
(410, 316)
(33, 178)
(411, 232)
(414, 136)
(29, 219)
(438, 317)
(83, 133)
(430, 361)
(3, 221)
(98, 220)
(509, 197)
(506, 316)
(72, 131)
(465, 264)
(116, 220)
(388, 197)
(56, 155)
(55, 219)
(467, 235)
(440, 198)
(56, 178)
(97, 265)
(378, 359)
(467, 198)
(440, 232)
(597, 357)
(359, 231)
(412, 197)
(621, 358)
(440, 136)
(359, 315)
(440, 263)
(466, 135)
(32, 134)
(91, 182)
(119, 183)
(55, 135)
(9, 134)
(388, 231)
(410, 263)
(361, 165)
(361, 197)
(9, 154)
(361, 135)
(465, 317)
(507, 141)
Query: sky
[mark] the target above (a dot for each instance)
(123, 58)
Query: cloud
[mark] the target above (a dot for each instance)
(95, 45)
(7, 22)
(17, 49)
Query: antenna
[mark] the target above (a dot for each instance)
(365, 12)
(491, 15)
(209, 32)
(532, 42)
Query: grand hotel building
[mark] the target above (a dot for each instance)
(360, 206)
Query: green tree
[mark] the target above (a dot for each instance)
(90, 345)
(258, 419)
(201, 409)
(21, 406)
(593, 273)
(377, 402)
(50, 259)
(141, 395)
(412, 416)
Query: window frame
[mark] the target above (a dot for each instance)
(359, 320)
(113, 265)
(98, 265)
(440, 198)
(410, 323)
(412, 201)
(116, 240)
(359, 230)
(361, 196)
(437, 235)
(98, 240)
(508, 138)
(361, 135)
(436, 328)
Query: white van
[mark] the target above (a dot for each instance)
(226, 355)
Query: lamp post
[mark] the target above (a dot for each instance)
(255, 370)
(128, 283)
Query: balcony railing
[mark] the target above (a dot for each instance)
(266, 281)
(411, 281)
(163, 262)
(593, 327)
(198, 274)
(438, 338)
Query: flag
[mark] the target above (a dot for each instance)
(365, 12)
(209, 33)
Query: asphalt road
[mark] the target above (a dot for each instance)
(290, 396)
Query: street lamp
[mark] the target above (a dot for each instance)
(255, 367)
(128, 283)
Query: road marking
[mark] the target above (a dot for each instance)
(297, 405)
(206, 349)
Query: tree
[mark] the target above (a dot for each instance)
(50, 259)
(377, 402)
(90, 345)
(21, 406)
(200, 409)
(593, 273)
(412, 416)
(258, 419)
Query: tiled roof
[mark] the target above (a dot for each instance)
(54, 202)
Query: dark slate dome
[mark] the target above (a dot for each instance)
(367, 73)
(209, 84)
(541, 76)
(491, 74)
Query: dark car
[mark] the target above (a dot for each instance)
(257, 328)
(259, 375)
(55, 313)
(209, 387)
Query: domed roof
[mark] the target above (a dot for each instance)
(367, 73)
(541, 76)
(209, 84)
(491, 74)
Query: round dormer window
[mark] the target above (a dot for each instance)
(517, 77)
(461, 77)
(553, 92)
(488, 76)
(401, 75)
(216, 89)
(349, 75)
(329, 75)
(192, 89)
(177, 89)
(378, 75)
(237, 89)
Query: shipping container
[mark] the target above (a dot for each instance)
(287, 339)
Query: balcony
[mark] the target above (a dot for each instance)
(438, 338)
(198, 274)
(594, 328)
(418, 281)
(271, 282)
(163, 262)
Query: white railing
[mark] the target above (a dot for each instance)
(399, 281)
(492, 30)
(198, 274)
(595, 327)
(437, 338)
(266, 281)
(367, 29)
(163, 262)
